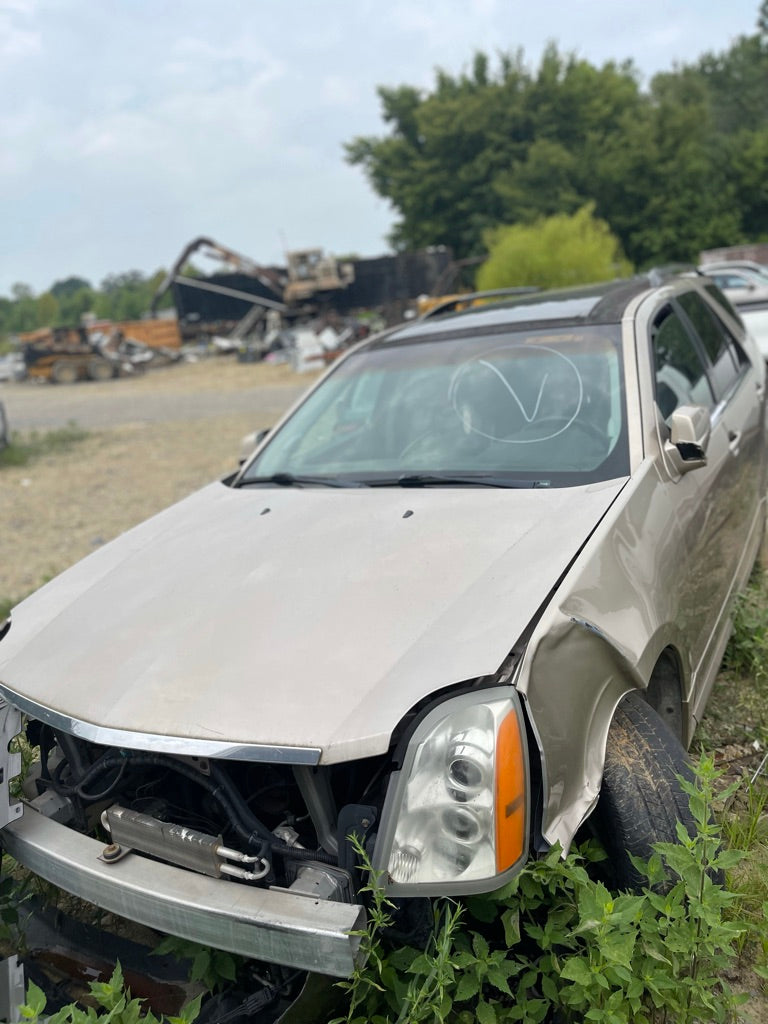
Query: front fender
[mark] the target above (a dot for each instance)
(598, 638)
(572, 681)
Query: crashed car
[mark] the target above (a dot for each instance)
(466, 601)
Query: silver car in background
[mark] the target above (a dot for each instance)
(742, 284)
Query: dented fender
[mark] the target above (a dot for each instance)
(589, 675)
(613, 614)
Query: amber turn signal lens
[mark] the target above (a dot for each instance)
(510, 794)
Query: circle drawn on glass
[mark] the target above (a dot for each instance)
(517, 394)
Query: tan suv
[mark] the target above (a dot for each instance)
(467, 599)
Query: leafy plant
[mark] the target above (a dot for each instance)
(213, 968)
(747, 651)
(572, 947)
(368, 981)
(555, 251)
(113, 997)
(13, 894)
(745, 826)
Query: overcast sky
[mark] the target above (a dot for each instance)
(129, 127)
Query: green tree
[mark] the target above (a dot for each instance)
(748, 163)
(673, 169)
(154, 282)
(6, 316)
(663, 183)
(491, 147)
(24, 308)
(551, 252)
(74, 305)
(123, 296)
(69, 286)
(46, 310)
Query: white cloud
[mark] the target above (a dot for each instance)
(17, 39)
(26, 7)
(147, 124)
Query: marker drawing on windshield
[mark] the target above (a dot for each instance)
(546, 382)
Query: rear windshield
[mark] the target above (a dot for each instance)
(540, 406)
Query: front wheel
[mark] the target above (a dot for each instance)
(100, 369)
(641, 799)
(64, 371)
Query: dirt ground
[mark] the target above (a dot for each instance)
(61, 506)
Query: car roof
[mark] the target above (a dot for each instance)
(603, 303)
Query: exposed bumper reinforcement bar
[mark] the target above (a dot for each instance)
(283, 928)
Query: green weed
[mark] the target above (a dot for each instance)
(745, 827)
(213, 968)
(24, 449)
(737, 710)
(115, 1006)
(556, 943)
(747, 651)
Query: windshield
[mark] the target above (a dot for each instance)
(544, 408)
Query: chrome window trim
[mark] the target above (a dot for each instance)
(181, 745)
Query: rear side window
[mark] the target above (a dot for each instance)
(721, 348)
(714, 292)
(681, 376)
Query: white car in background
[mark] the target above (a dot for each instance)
(12, 367)
(756, 321)
(743, 285)
(752, 265)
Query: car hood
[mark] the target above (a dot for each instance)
(295, 617)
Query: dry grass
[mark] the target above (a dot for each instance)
(61, 504)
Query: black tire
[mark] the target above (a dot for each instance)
(641, 799)
(100, 369)
(64, 372)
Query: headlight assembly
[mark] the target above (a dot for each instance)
(456, 815)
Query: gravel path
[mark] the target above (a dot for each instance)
(188, 391)
(156, 439)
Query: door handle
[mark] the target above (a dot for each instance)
(734, 440)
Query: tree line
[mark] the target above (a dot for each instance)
(124, 296)
(673, 169)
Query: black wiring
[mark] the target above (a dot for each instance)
(218, 785)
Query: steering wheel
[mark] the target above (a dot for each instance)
(561, 423)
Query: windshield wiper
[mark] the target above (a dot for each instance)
(300, 480)
(448, 479)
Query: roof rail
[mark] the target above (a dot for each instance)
(450, 305)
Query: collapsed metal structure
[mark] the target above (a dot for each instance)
(234, 301)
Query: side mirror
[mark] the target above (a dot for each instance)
(689, 427)
(250, 443)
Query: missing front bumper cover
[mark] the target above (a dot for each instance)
(278, 927)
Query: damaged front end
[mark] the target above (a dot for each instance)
(254, 853)
(172, 842)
